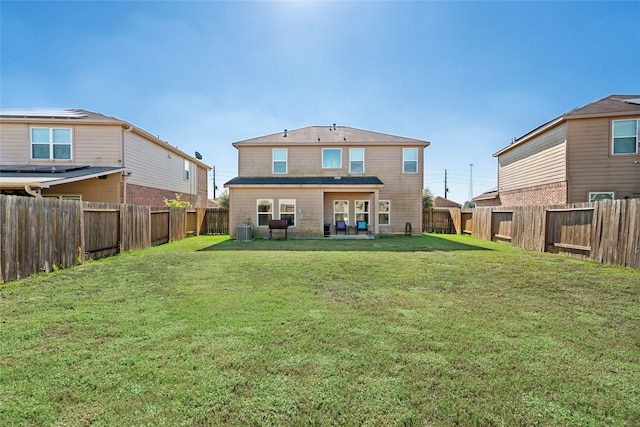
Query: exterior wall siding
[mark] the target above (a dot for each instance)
(244, 210)
(90, 190)
(538, 162)
(92, 145)
(593, 167)
(13, 150)
(153, 167)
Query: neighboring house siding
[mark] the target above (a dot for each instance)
(91, 190)
(14, 149)
(539, 162)
(92, 145)
(97, 145)
(593, 167)
(156, 168)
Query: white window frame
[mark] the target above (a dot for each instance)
(594, 194)
(405, 161)
(365, 212)
(352, 161)
(387, 213)
(344, 213)
(63, 196)
(339, 150)
(51, 143)
(614, 137)
(293, 213)
(274, 160)
(268, 214)
(187, 169)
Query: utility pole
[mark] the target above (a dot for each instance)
(215, 187)
(446, 189)
(470, 181)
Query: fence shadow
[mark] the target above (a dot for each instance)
(427, 243)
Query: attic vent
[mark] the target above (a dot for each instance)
(285, 133)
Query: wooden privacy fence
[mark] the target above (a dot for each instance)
(606, 231)
(216, 221)
(439, 221)
(44, 234)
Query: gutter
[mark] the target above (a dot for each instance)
(31, 192)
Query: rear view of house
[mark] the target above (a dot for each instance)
(78, 154)
(322, 176)
(590, 153)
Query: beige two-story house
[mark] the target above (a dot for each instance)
(317, 176)
(79, 154)
(590, 153)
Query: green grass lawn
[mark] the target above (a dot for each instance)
(433, 330)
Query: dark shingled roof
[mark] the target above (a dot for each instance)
(59, 172)
(305, 180)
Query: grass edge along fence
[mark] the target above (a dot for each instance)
(606, 231)
(44, 234)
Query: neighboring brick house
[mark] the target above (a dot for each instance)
(319, 175)
(587, 154)
(78, 154)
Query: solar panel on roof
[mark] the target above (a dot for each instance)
(50, 113)
(633, 101)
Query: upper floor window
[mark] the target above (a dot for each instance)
(279, 160)
(187, 166)
(356, 160)
(332, 157)
(51, 143)
(288, 211)
(626, 136)
(409, 160)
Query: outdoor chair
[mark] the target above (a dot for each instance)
(361, 226)
(341, 226)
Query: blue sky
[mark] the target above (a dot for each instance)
(466, 76)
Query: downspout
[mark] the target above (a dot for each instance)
(31, 192)
(124, 176)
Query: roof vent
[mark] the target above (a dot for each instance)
(285, 133)
(334, 127)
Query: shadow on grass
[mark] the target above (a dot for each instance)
(426, 243)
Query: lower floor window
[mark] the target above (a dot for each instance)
(341, 211)
(604, 195)
(288, 211)
(265, 212)
(362, 210)
(384, 211)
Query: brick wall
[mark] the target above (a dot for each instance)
(548, 194)
(203, 189)
(147, 196)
